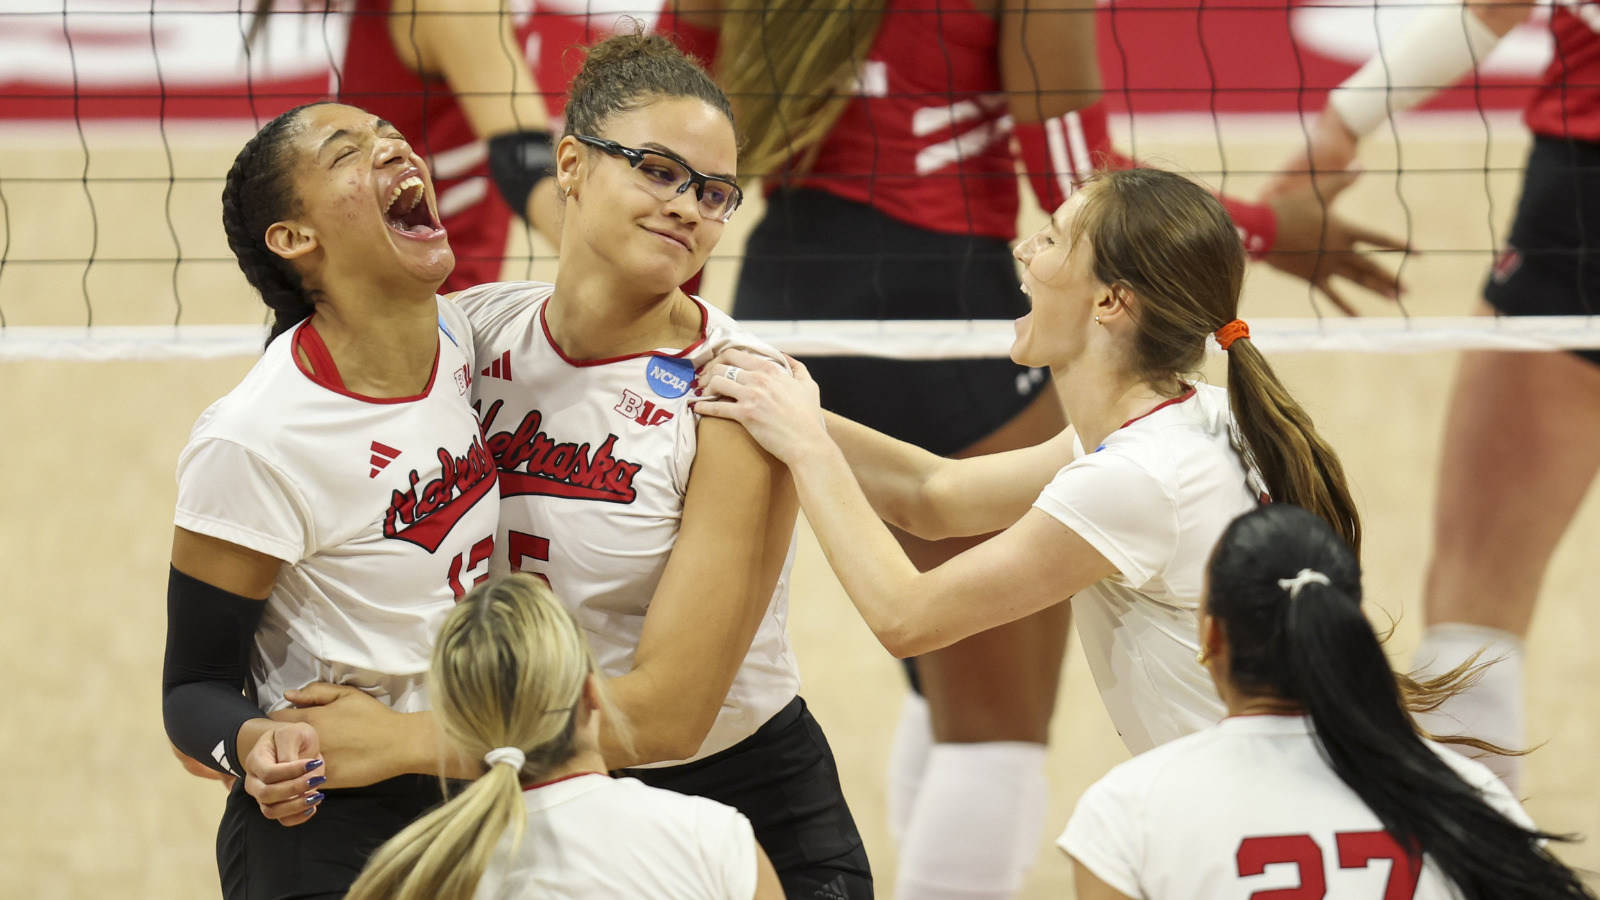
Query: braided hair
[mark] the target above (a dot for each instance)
(257, 193)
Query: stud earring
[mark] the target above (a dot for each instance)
(1201, 656)
(1097, 320)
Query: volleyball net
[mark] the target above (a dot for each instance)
(119, 118)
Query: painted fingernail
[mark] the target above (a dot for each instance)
(316, 780)
(312, 811)
(314, 799)
(698, 392)
(315, 763)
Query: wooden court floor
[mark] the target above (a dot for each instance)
(94, 807)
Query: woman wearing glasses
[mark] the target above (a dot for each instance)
(668, 537)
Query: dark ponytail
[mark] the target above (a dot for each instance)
(1310, 643)
(258, 192)
(1171, 243)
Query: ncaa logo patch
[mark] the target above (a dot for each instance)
(669, 376)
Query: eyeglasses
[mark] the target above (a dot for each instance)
(667, 176)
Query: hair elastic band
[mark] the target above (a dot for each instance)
(1306, 576)
(509, 755)
(1231, 332)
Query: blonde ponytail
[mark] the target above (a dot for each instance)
(508, 670)
(787, 65)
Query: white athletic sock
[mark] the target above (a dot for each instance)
(975, 832)
(1490, 710)
(908, 758)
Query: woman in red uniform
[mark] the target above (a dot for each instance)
(896, 199)
(452, 75)
(1522, 440)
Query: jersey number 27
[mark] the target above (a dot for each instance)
(1357, 849)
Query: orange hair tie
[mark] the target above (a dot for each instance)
(1231, 332)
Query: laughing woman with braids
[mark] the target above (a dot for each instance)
(330, 507)
(1317, 776)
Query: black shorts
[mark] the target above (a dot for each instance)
(1551, 264)
(320, 858)
(817, 256)
(785, 782)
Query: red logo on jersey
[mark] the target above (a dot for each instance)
(382, 455)
(557, 470)
(641, 410)
(424, 517)
(463, 379)
(1506, 264)
(500, 368)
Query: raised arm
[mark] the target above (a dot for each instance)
(471, 45)
(738, 519)
(1433, 51)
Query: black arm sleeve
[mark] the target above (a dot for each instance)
(210, 633)
(518, 161)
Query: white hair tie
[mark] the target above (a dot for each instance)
(1306, 576)
(509, 755)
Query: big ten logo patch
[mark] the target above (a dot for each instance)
(641, 410)
(669, 376)
(463, 379)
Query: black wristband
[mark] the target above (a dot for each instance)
(210, 635)
(518, 161)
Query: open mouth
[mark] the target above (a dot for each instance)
(408, 210)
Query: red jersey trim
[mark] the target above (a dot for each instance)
(1162, 405)
(705, 324)
(535, 787)
(325, 373)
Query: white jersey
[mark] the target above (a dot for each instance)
(1247, 809)
(1153, 498)
(594, 462)
(599, 838)
(383, 511)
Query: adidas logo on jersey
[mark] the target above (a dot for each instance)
(833, 890)
(641, 410)
(500, 368)
(382, 455)
(557, 470)
(424, 517)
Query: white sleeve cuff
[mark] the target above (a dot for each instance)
(1134, 574)
(233, 534)
(1103, 869)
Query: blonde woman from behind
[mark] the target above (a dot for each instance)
(514, 683)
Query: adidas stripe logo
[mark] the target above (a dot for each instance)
(382, 455)
(500, 368)
(220, 754)
(833, 890)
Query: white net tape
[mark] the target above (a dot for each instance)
(902, 339)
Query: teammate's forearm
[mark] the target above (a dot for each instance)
(868, 560)
(892, 474)
(422, 749)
